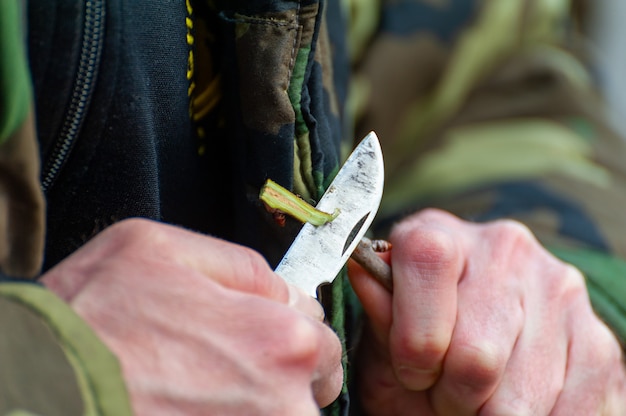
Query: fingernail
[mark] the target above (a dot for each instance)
(416, 379)
(305, 303)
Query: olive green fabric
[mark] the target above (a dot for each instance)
(15, 90)
(22, 220)
(52, 362)
(36, 374)
(21, 200)
(20, 412)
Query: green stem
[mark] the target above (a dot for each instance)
(282, 200)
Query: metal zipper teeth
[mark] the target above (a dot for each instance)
(89, 61)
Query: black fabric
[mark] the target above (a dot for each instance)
(136, 154)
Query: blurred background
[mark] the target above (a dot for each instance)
(607, 27)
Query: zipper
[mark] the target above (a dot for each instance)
(82, 91)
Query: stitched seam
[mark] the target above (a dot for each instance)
(262, 21)
(294, 48)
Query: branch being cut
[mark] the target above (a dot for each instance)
(282, 201)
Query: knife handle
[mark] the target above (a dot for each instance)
(365, 255)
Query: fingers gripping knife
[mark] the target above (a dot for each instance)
(319, 252)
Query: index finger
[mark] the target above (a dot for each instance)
(145, 244)
(427, 265)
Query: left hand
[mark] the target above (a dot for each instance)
(199, 325)
(482, 320)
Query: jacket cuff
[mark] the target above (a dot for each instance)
(52, 362)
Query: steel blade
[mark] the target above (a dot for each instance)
(318, 253)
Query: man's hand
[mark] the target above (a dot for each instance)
(482, 320)
(199, 325)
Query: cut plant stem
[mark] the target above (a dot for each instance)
(278, 198)
(281, 200)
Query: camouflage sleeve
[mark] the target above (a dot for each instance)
(487, 109)
(51, 361)
(21, 201)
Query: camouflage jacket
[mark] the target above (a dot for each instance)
(180, 112)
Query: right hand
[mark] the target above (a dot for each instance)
(483, 320)
(200, 325)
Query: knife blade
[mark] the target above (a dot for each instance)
(319, 252)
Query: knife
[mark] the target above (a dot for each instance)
(319, 252)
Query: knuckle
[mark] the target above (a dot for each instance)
(431, 246)
(133, 232)
(573, 280)
(251, 260)
(481, 365)
(435, 214)
(252, 265)
(511, 234)
(605, 351)
(132, 226)
(511, 246)
(302, 342)
(514, 227)
(426, 348)
(515, 406)
(565, 284)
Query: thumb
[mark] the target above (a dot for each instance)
(376, 300)
(306, 304)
